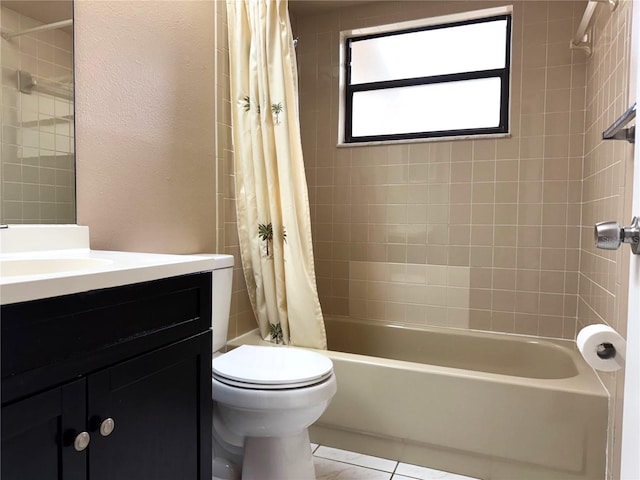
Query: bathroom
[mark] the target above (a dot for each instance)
(154, 169)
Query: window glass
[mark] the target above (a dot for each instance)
(439, 51)
(471, 104)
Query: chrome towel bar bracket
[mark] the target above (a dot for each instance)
(617, 131)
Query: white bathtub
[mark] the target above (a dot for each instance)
(491, 406)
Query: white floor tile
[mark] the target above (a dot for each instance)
(356, 459)
(405, 470)
(333, 470)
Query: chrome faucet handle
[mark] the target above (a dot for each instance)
(609, 235)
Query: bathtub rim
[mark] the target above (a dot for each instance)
(585, 382)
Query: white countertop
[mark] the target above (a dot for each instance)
(69, 245)
(125, 268)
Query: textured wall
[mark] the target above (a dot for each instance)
(145, 102)
(500, 217)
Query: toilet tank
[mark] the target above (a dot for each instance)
(221, 286)
(222, 281)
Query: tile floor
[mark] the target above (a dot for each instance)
(334, 464)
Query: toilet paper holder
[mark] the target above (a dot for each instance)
(606, 351)
(609, 235)
(602, 347)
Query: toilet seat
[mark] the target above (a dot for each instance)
(271, 368)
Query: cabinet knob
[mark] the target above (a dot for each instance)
(81, 442)
(107, 426)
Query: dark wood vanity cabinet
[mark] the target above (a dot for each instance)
(141, 392)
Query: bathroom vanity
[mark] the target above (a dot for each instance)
(108, 380)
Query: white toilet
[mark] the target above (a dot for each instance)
(265, 398)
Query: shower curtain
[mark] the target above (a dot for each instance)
(271, 192)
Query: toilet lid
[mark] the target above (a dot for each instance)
(271, 367)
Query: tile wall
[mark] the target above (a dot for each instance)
(608, 173)
(507, 210)
(241, 319)
(38, 181)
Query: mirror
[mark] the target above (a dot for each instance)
(37, 157)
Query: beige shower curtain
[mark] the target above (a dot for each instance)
(271, 191)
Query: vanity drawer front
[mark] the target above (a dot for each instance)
(57, 339)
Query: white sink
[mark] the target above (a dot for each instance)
(43, 266)
(42, 261)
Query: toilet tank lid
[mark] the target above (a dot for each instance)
(272, 365)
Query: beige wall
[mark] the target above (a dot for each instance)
(497, 219)
(155, 159)
(608, 173)
(145, 124)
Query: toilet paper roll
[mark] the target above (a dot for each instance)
(590, 337)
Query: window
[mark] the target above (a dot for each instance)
(442, 79)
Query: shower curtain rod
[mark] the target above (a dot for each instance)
(41, 28)
(582, 37)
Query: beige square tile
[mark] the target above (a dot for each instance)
(530, 192)
(459, 235)
(550, 326)
(527, 302)
(481, 256)
(504, 257)
(526, 324)
(502, 322)
(506, 214)
(507, 192)
(457, 317)
(462, 151)
(528, 257)
(437, 255)
(416, 253)
(504, 236)
(531, 147)
(508, 148)
(528, 280)
(482, 235)
(553, 258)
(480, 278)
(529, 236)
(484, 171)
(482, 214)
(460, 193)
(531, 170)
(458, 256)
(552, 304)
(529, 214)
(480, 319)
(483, 192)
(503, 300)
(480, 299)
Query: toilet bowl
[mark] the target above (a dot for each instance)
(265, 398)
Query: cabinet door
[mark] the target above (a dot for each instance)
(160, 404)
(38, 434)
